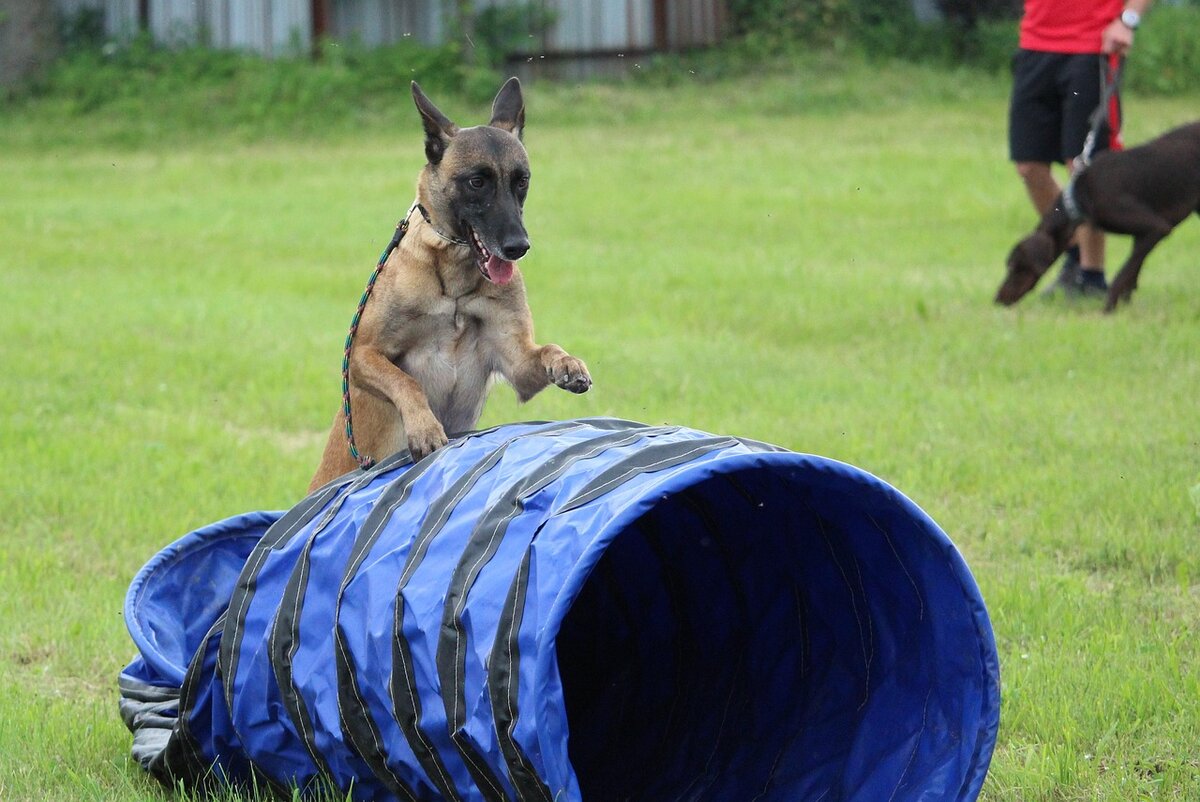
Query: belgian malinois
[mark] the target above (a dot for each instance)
(1143, 192)
(448, 309)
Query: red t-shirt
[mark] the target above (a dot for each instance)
(1067, 26)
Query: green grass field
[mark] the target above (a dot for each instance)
(804, 259)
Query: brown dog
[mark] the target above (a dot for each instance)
(448, 309)
(1143, 192)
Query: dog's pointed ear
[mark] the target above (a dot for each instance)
(438, 128)
(508, 109)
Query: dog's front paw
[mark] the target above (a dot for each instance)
(425, 437)
(569, 373)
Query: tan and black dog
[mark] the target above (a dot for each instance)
(1143, 192)
(448, 309)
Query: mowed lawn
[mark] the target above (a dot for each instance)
(793, 259)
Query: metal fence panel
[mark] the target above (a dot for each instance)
(285, 27)
(379, 22)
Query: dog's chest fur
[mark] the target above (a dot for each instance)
(451, 363)
(439, 333)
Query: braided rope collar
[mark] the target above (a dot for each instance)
(453, 240)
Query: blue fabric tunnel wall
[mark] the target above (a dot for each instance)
(584, 610)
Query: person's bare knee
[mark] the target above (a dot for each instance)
(1039, 183)
(1033, 171)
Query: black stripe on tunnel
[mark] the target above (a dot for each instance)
(360, 727)
(406, 700)
(503, 681)
(481, 546)
(278, 535)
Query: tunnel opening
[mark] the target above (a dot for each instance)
(796, 632)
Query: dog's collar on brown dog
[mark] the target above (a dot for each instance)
(1070, 205)
(425, 214)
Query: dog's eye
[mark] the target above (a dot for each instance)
(477, 182)
(523, 183)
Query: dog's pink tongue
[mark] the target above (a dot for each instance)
(499, 270)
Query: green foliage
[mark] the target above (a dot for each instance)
(82, 29)
(823, 23)
(197, 88)
(189, 90)
(969, 13)
(515, 28)
(980, 33)
(1165, 58)
(776, 30)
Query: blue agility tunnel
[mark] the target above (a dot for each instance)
(584, 610)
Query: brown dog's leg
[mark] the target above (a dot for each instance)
(1128, 214)
(372, 372)
(1125, 282)
(336, 459)
(377, 434)
(529, 368)
(378, 390)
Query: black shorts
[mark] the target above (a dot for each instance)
(1053, 98)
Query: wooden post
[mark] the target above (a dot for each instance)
(662, 37)
(319, 11)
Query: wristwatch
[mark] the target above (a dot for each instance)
(1131, 19)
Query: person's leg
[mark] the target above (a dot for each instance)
(1035, 138)
(1035, 124)
(1082, 79)
(1039, 183)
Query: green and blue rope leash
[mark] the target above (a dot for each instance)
(363, 460)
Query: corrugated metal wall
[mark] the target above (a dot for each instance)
(627, 26)
(615, 26)
(272, 27)
(285, 27)
(694, 23)
(379, 22)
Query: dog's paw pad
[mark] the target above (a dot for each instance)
(577, 384)
(571, 374)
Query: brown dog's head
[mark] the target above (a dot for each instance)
(1027, 263)
(476, 179)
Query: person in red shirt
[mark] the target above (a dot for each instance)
(1067, 49)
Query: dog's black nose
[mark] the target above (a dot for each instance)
(514, 249)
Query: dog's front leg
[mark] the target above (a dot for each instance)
(530, 367)
(372, 371)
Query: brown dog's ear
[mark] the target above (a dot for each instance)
(438, 128)
(508, 109)
(1039, 251)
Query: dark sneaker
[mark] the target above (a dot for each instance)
(1069, 279)
(1091, 284)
